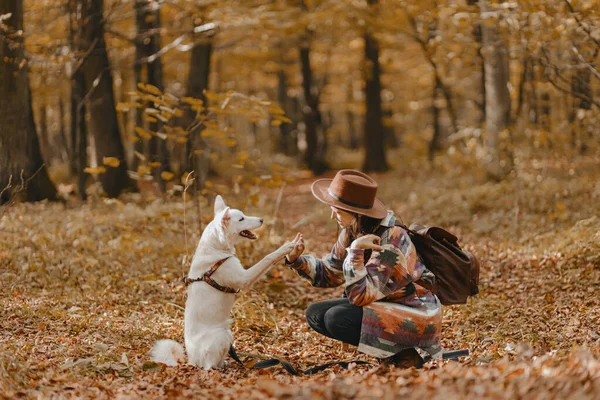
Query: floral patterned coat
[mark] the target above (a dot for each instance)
(391, 285)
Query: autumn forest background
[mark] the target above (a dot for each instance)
(120, 120)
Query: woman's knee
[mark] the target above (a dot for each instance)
(314, 316)
(343, 324)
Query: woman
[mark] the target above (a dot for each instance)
(387, 309)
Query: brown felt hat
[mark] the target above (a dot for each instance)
(352, 191)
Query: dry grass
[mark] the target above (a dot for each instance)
(87, 288)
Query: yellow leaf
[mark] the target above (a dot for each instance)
(95, 171)
(182, 140)
(192, 101)
(167, 176)
(230, 142)
(208, 184)
(123, 107)
(210, 132)
(275, 109)
(154, 164)
(153, 90)
(212, 96)
(143, 170)
(242, 156)
(111, 162)
(276, 122)
(139, 155)
(142, 133)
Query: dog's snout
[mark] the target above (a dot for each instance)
(261, 220)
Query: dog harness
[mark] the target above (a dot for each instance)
(206, 278)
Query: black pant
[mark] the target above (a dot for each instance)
(337, 319)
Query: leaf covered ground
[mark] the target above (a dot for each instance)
(86, 289)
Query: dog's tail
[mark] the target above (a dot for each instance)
(168, 352)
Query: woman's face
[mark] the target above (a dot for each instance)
(343, 218)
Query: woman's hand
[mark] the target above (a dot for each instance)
(367, 242)
(297, 250)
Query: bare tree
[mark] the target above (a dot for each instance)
(497, 99)
(198, 78)
(374, 135)
(148, 69)
(20, 157)
(98, 82)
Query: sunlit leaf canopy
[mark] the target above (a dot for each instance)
(253, 40)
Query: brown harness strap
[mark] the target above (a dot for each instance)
(206, 278)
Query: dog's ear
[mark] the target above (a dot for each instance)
(225, 219)
(219, 204)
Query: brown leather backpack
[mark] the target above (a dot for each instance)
(456, 270)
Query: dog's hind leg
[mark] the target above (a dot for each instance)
(210, 348)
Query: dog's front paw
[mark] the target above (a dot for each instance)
(285, 249)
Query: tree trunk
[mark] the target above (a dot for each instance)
(374, 136)
(497, 107)
(350, 120)
(287, 143)
(434, 145)
(477, 34)
(20, 154)
(45, 147)
(582, 89)
(197, 83)
(389, 132)
(62, 132)
(103, 120)
(314, 156)
(148, 69)
(522, 84)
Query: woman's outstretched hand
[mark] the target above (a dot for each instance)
(298, 249)
(367, 242)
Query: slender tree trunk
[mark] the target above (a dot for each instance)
(314, 157)
(434, 145)
(389, 132)
(20, 155)
(497, 108)
(375, 157)
(582, 89)
(43, 132)
(148, 69)
(197, 83)
(81, 132)
(62, 132)
(103, 120)
(477, 35)
(351, 120)
(286, 141)
(522, 84)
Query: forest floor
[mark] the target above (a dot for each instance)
(87, 288)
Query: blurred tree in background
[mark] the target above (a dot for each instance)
(154, 89)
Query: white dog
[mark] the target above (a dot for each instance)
(211, 295)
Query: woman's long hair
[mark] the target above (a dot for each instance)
(363, 225)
